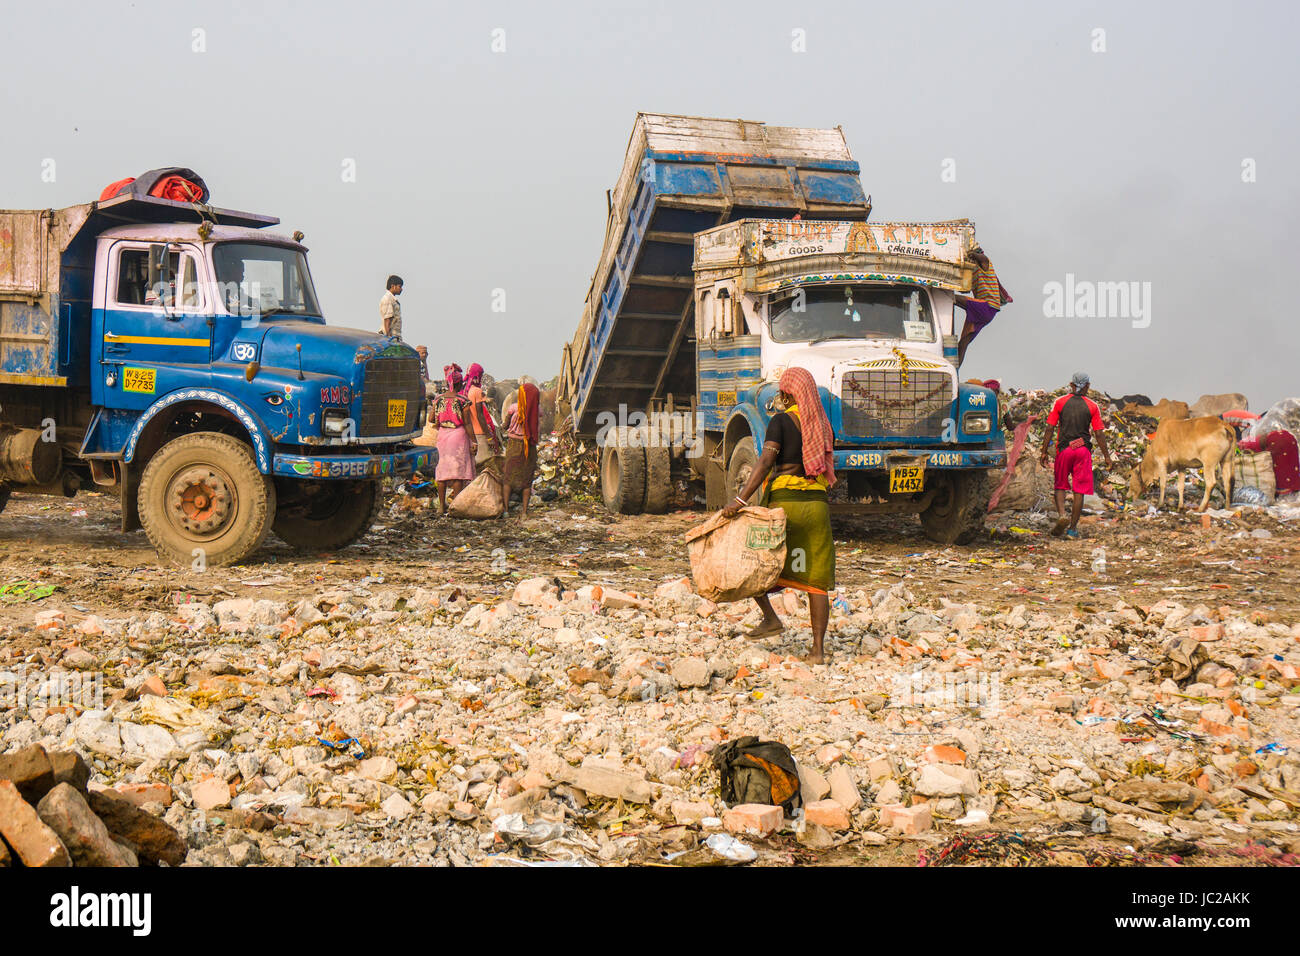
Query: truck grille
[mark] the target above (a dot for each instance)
(878, 404)
(390, 379)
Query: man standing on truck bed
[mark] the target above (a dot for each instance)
(1076, 418)
(390, 310)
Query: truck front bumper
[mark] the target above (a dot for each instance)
(355, 466)
(951, 459)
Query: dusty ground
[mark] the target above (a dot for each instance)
(76, 545)
(972, 602)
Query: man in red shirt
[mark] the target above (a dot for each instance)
(1076, 418)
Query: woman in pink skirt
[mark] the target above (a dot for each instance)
(455, 443)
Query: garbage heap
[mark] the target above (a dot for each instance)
(1031, 484)
(568, 465)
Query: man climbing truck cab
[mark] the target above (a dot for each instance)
(177, 355)
(867, 308)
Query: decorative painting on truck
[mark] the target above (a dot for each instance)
(771, 239)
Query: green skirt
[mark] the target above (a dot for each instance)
(809, 547)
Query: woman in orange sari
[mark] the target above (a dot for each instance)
(481, 423)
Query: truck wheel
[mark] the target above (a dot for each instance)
(658, 479)
(325, 515)
(622, 474)
(741, 466)
(203, 492)
(956, 515)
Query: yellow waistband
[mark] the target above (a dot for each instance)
(798, 482)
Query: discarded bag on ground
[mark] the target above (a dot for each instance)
(481, 498)
(1184, 656)
(755, 771)
(740, 557)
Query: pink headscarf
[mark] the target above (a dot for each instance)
(814, 426)
(455, 378)
(474, 376)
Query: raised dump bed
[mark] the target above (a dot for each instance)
(681, 176)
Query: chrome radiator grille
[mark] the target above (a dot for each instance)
(885, 403)
(387, 379)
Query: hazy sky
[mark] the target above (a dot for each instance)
(478, 170)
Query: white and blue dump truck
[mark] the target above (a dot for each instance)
(734, 250)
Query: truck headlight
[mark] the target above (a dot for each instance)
(977, 423)
(334, 421)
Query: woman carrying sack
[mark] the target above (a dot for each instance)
(455, 460)
(798, 456)
(487, 445)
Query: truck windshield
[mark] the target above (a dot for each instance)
(853, 312)
(256, 278)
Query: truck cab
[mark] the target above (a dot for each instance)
(868, 310)
(180, 356)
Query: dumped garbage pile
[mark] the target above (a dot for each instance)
(529, 719)
(1283, 415)
(50, 818)
(569, 465)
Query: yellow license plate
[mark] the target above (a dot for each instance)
(396, 412)
(906, 479)
(141, 380)
(726, 398)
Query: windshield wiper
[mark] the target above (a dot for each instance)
(829, 338)
(279, 310)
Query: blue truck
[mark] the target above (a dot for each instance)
(733, 250)
(176, 355)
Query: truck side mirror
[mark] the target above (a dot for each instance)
(160, 275)
(725, 322)
(159, 265)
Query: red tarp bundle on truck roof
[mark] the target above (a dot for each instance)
(167, 182)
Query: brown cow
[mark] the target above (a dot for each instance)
(1208, 442)
(1168, 408)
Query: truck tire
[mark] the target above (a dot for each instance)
(622, 474)
(658, 479)
(743, 460)
(957, 515)
(203, 492)
(328, 515)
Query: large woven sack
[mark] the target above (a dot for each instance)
(740, 557)
(1255, 471)
(429, 437)
(481, 498)
(1030, 486)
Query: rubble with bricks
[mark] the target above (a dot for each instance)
(535, 720)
